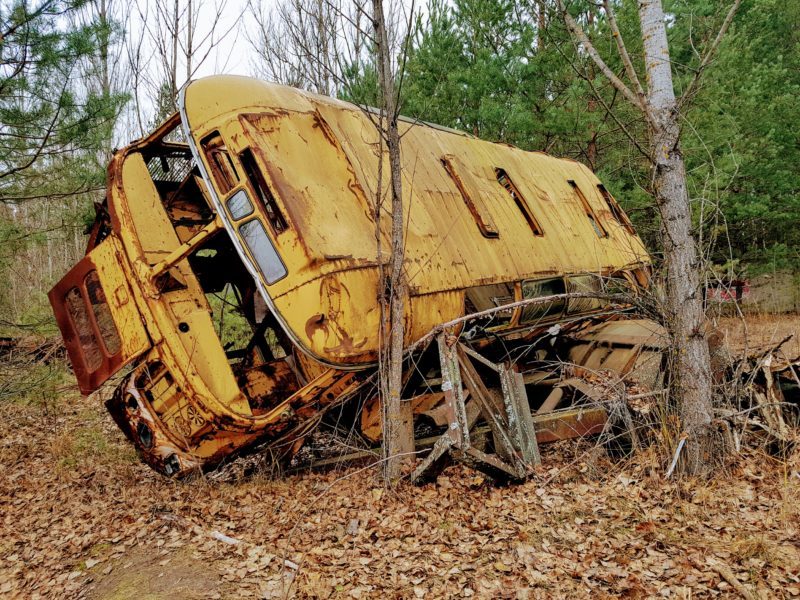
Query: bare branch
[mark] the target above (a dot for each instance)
(605, 105)
(587, 45)
(623, 52)
(709, 53)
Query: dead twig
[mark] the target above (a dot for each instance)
(728, 575)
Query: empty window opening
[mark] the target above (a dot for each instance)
(231, 325)
(477, 209)
(102, 313)
(171, 165)
(485, 297)
(504, 180)
(585, 284)
(176, 177)
(90, 349)
(262, 190)
(587, 208)
(542, 288)
(616, 209)
(258, 351)
(222, 169)
(90, 315)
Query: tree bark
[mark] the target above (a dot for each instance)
(591, 144)
(398, 438)
(189, 41)
(692, 382)
(173, 75)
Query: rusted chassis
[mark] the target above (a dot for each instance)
(210, 439)
(146, 432)
(626, 348)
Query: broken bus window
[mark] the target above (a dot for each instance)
(542, 288)
(102, 314)
(615, 209)
(477, 208)
(587, 208)
(90, 349)
(261, 188)
(504, 180)
(219, 161)
(263, 251)
(239, 205)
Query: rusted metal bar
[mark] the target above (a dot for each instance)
(489, 464)
(432, 464)
(497, 421)
(568, 424)
(619, 301)
(336, 460)
(553, 427)
(481, 359)
(520, 420)
(186, 248)
(510, 420)
(552, 401)
(458, 431)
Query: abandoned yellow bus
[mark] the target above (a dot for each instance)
(263, 197)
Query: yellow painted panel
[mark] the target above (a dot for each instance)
(149, 237)
(313, 179)
(336, 316)
(107, 258)
(147, 224)
(324, 161)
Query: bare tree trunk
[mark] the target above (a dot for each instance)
(189, 36)
(173, 76)
(105, 82)
(686, 317)
(692, 385)
(541, 24)
(398, 438)
(591, 144)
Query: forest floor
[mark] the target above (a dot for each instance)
(80, 517)
(761, 331)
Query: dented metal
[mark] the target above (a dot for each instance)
(268, 193)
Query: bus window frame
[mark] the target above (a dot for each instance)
(252, 254)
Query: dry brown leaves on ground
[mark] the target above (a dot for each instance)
(81, 518)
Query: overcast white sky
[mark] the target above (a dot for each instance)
(230, 53)
(234, 53)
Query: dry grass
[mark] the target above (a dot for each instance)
(762, 331)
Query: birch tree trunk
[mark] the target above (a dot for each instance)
(173, 75)
(189, 40)
(398, 438)
(692, 384)
(685, 315)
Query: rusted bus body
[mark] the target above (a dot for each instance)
(269, 192)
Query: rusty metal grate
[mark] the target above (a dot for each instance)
(172, 166)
